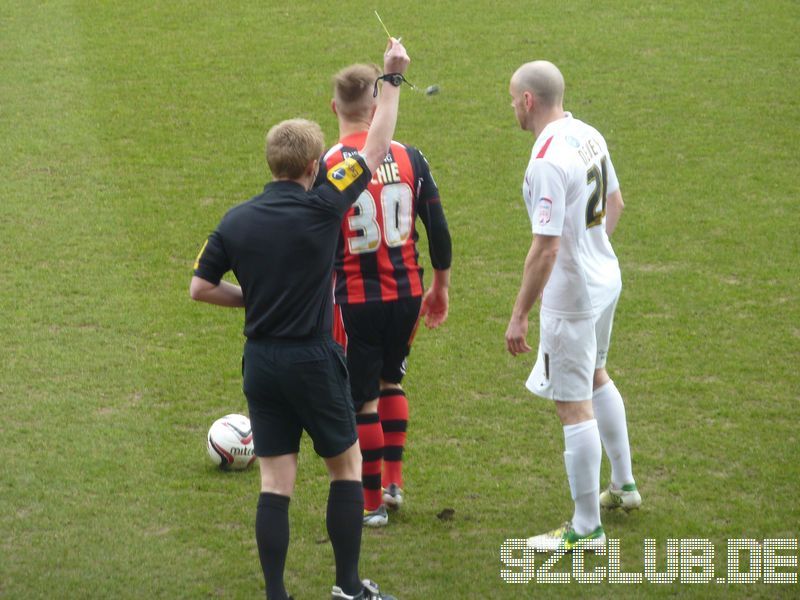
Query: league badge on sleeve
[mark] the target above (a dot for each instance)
(545, 210)
(345, 173)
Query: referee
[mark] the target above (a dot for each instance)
(280, 245)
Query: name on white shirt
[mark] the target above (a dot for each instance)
(588, 151)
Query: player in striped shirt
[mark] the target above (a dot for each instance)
(379, 287)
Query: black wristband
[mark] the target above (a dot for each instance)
(396, 79)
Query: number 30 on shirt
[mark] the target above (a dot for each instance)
(396, 203)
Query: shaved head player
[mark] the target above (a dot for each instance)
(574, 202)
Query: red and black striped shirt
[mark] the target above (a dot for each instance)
(377, 257)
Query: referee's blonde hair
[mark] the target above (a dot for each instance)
(292, 145)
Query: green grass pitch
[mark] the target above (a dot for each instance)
(128, 128)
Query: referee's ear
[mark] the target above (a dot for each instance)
(310, 174)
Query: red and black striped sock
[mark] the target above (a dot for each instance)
(370, 438)
(393, 411)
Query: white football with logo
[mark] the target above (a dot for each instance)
(230, 443)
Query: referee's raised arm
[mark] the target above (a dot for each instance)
(395, 61)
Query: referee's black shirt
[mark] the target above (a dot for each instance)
(281, 245)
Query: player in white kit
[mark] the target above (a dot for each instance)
(574, 202)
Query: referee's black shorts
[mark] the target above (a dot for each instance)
(295, 385)
(379, 336)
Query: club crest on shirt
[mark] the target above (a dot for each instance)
(545, 209)
(345, 173)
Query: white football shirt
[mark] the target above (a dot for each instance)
(566, 185)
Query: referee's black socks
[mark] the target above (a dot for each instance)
(345, 519)
(272, 536)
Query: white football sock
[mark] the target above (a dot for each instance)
(609, 410)
(582, 458)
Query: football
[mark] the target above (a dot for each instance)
(230, 443)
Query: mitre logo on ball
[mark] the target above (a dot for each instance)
(230, 443)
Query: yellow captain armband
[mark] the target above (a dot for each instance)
(345, 173)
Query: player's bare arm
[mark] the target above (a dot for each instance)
(538, 266)
(221, 294)
(395, 60)
(614, 208)
(435, 302)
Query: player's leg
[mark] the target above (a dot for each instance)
(276, 440)
(364, 325)
(371, 440)
(611, 419)
(563, 372)
(393, 405)
(582, 458)
(609, 410)
(393, 411)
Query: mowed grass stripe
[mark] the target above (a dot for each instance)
(84, 513)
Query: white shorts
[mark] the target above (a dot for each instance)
(570, 350)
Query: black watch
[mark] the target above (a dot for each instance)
(396, 79)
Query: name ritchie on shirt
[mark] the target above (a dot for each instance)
(387, 172)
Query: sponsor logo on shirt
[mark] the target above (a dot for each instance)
(345, 173)
(545, 209)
